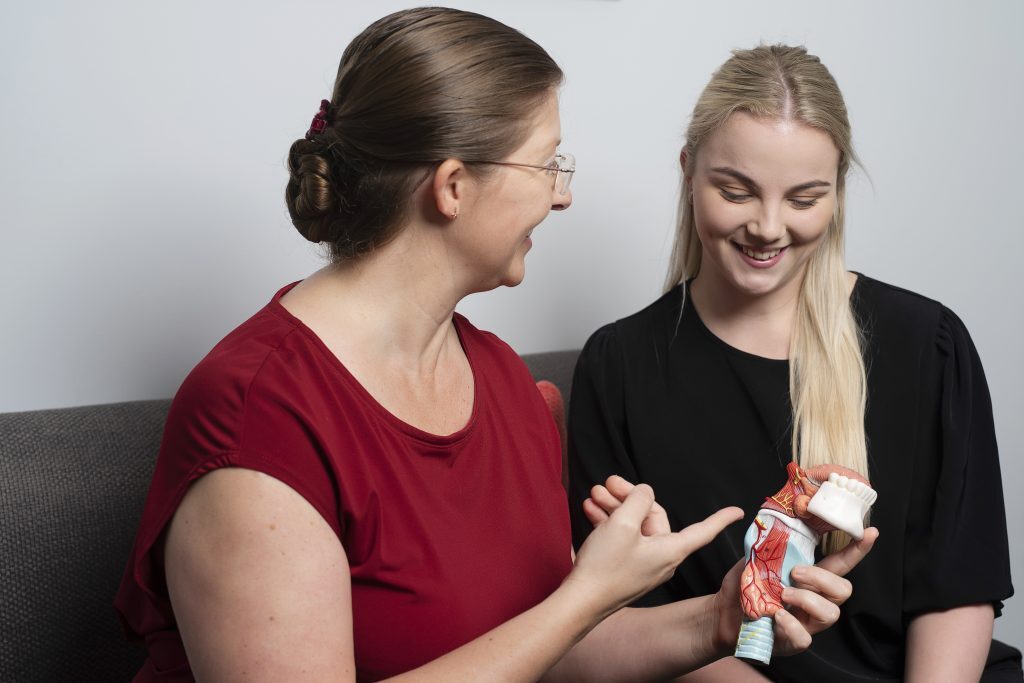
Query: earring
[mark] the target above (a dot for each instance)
(455, 213)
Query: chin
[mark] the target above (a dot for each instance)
(514, 279)
(756, 283)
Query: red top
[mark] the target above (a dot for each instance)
(446, 536)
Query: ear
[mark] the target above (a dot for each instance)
(687, 180)
(449, 187)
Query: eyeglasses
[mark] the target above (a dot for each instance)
(563, 167)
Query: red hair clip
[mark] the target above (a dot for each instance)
(319, 121)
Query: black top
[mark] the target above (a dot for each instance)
(658, 398)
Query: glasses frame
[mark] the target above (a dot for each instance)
(564, 168)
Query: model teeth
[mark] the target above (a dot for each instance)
(761, 255)
(859, 489)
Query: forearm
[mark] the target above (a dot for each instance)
(521, 649)
(645, 644)
(725, 670)
(950, 645)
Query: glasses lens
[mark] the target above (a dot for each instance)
(566, 169)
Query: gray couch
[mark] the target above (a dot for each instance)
(72, 485)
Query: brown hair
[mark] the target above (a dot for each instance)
(415, 88)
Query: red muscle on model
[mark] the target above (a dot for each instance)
(760, 583)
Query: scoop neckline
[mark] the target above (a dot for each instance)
(718, 341)
(367, 398)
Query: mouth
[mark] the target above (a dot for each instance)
(760, 258)
(758, 255)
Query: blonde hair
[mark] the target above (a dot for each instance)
(827, 381)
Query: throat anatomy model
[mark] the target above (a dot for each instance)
(785, 532)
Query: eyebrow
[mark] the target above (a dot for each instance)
(749, 182)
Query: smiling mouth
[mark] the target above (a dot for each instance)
(759, 255)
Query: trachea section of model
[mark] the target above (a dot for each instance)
(784, 534)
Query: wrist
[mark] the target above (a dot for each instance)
(716, 635)
(585, 599)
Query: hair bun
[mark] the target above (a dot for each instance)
(312, 203)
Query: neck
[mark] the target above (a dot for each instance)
(396, 302)
(761, 324)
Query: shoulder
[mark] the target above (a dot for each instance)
(493, 360)
(887, 313)
(876, 301)
(895, 318)
(631, 349)
(636, 331)
(210, 406)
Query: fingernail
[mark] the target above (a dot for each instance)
(797, 573)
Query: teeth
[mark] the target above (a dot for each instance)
(859, 489)
(761, 255)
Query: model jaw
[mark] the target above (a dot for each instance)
(843, 502)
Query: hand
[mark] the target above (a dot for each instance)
(814, 598)
(632, 549)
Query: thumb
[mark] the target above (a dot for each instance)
(699, 534)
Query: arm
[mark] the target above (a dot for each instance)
(728, 670)
(950, 645)
(261, 591)
(957, 549)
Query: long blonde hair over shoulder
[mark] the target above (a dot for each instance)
(827, 379)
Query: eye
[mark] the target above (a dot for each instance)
(803, 203)
(734, 197)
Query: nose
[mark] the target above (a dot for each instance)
(768, 226)
(561, 201)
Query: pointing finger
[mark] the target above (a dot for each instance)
(701, 533)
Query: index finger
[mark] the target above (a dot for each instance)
(842, 562)
(701, 533)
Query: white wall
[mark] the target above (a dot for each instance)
(142, 169)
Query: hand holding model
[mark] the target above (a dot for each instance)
(812, 600)
(784, 533)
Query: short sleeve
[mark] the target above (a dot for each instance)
(957, 549)
(597, 425)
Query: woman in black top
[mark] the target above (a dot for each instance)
(765, 350)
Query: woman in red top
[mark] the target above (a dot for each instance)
(356, 483)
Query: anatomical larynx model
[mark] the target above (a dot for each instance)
(784, 534)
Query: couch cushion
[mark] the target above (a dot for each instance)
(72, 484)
